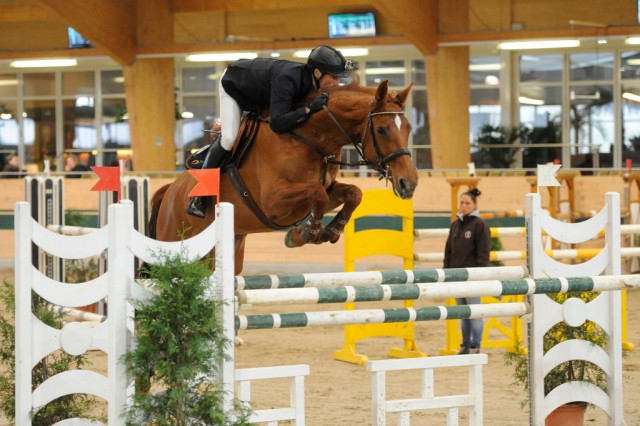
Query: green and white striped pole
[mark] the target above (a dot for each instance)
(379, 316)
(388, 292)
(378, 277)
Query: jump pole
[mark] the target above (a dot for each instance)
(378, 316)
(407, 276)
(495, 288)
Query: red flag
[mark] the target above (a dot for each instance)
(208, 182)
(109, 179)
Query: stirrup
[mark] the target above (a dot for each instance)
(197, 207)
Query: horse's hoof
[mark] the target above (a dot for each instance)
(238, 341)
(288, 240)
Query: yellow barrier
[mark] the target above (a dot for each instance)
(370, 242)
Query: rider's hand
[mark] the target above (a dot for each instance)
(317, 104)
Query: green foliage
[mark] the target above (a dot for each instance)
(69, 406)
(75, 218)
(179, 346)
(491, 137)
(570, 370)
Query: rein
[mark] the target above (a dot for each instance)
(381, 166)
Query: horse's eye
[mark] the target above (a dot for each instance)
(381, 131)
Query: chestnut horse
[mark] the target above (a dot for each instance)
(291, 178)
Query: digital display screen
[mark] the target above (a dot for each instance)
(352, 25)
(76, 40)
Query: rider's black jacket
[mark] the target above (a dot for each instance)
(257, 84)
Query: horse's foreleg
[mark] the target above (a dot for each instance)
(340, 193)
(300, 198)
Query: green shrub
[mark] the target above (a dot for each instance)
(179, 347)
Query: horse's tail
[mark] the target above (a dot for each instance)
(156, 201)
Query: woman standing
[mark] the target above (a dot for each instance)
(468, 246)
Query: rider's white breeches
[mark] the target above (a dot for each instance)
(230, 115)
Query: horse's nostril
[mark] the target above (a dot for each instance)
(403, 183)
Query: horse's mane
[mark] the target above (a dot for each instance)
(340, 91)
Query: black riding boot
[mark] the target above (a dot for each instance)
(215, 157)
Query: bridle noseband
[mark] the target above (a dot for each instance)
(381, 164)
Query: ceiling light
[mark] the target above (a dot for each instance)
(349, 52)
(484, 67)
(387, 70)
(530, 101)
(491, 80)
(5, 116)
(541, 44)
(221, 57)
(119, 79)
(632, 61)
(275, 54)
(39, 63)
(631, 96)
(8, 82)
(187, 114)
(632, 40)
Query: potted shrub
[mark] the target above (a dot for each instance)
(568, 371)
(179, 346)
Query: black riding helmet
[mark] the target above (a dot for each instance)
(329, 61)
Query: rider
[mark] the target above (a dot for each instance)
(255, 84)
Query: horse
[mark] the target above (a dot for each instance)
(288, 181)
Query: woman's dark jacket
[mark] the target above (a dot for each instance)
(276, 84)
(469, 242)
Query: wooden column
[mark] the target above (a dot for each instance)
(448, 102)
(149, 85)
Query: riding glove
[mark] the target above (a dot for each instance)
(317, 104)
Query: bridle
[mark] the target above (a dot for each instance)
(381, 164)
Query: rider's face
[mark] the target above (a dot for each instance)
(326, 80)
(329, 80)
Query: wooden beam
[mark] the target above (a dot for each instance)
(107, 24)
(155, 22)
(180, 6)
(25, 13)
(53, 53)
(149, 87)
(418, 18)
(448, 101)
(267, 45)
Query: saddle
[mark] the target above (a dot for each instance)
(247, 137)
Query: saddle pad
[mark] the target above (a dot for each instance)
(195, 160)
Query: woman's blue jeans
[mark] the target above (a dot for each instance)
(471, 328)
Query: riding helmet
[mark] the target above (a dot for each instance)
(329, 61)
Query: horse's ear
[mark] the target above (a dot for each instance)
(402, 96)
(381, 93)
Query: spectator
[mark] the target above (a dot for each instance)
(13, 168)
(73, 164)
(468, 246)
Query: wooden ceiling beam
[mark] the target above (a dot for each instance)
(180, 6)
(418, 18)
(266, 45)
(110, 25)
(25, 13)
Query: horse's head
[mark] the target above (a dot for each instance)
(385, 141)
(373, 121)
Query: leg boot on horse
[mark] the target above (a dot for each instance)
(215, 157)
